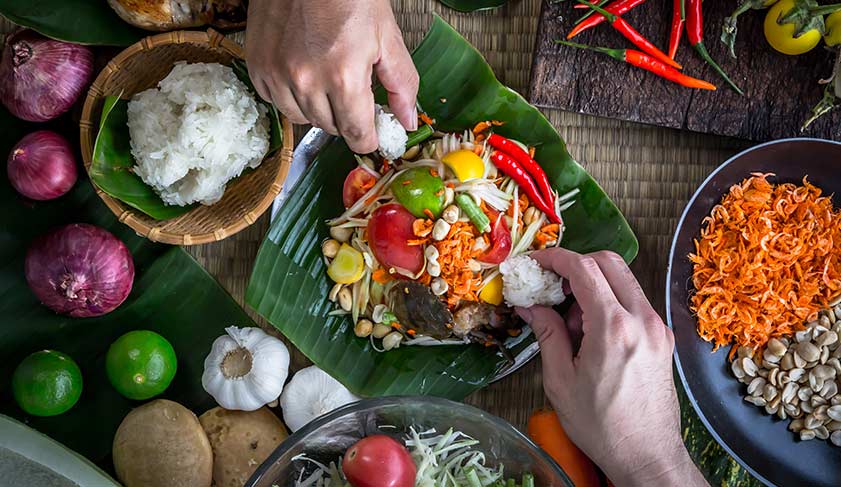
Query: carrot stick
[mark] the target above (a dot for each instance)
(546, 430)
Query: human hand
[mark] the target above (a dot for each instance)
(314, 60)
(616, 397)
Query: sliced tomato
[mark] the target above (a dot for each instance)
(500, 243)
(357, 183)
(389, 232)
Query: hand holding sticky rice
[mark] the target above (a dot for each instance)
(615, 395)
(314, 60)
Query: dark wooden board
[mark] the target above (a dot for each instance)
(779, 90)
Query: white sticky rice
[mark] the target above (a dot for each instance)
(525, 283)
(195, 132)
(390, 133)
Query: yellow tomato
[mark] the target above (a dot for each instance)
(833, 29)
(348, 265)
(782, 36)
(492, 292)
(465, 164)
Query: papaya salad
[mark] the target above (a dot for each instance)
(432, 246)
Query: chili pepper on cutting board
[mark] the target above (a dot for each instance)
(619, 7)
(678, 21)
(695, 35)
(648, 63)
(633, 35)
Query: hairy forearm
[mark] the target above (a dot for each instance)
(675, 469)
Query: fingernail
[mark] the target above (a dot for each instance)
(523, 313)
(413, 123)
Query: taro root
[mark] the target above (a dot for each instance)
(162, 444)
(241, 441)
(163, 15)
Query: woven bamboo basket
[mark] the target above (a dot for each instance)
(142, 66)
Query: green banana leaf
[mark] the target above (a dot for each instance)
(112, 160)
(473, 5)
(289, 285)
(79, 21)
(172, 295)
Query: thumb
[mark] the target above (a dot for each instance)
(398, 75)
(553, 336)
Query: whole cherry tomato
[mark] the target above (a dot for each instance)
(389, 232)
(357, 183)
(379, 461)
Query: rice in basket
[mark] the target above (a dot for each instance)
(197, 130)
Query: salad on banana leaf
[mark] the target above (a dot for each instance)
(432, 247)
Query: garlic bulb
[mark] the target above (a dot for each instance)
(310, 394)
(245, 369)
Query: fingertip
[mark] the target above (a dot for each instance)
(362, 144)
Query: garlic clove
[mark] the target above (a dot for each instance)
(310, 394)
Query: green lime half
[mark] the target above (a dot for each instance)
(140, 364)
(47, 383)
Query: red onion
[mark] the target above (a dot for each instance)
(41, 78)
(79, 270)
(41, 166)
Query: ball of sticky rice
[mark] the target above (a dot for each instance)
(525, 283)
(390, 133)
(197, 130)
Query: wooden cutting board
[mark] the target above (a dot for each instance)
(779, 90)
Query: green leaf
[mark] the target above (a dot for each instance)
(79, 21)
(172, 295)
(289, 285)
(112, 162)
(473, 5)
(112, 159)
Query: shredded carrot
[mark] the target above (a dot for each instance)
(768, 259)
(368, 184)
(381, 276)
(428, 212)
(411, 332)
(433, 172)
(440, 192)
(396, 325)
(406, 182)
(425, 119)
(478, 149)
(522, 203)
(454, 254)
(531, 152)
(451, 185)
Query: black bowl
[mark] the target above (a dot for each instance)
(760, 443)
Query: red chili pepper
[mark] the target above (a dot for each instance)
(678, 20)
(633, 35)
(531, 166)
(695, 34)
(509, 166)
(648, 63)
(589, 12)
(618, 7)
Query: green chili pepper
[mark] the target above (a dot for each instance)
(472, 210)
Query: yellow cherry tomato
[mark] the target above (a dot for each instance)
(348, 265)
(465, 164)
(782, 36)
(492, 292)
(833, 29)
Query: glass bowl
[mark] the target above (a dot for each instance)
(327, 438)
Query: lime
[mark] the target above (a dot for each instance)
(47, 383)
(140, 364)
